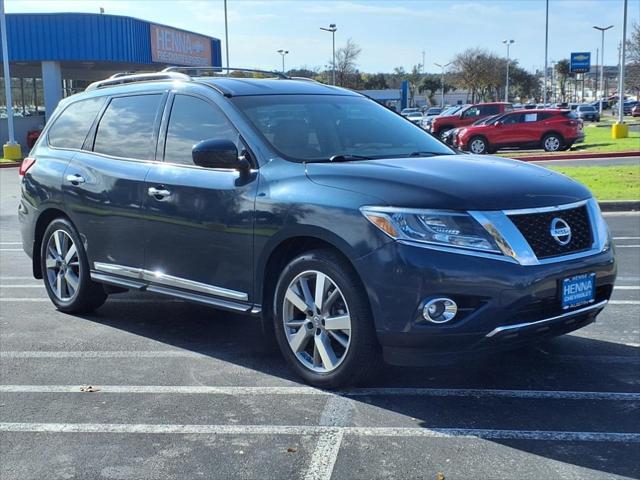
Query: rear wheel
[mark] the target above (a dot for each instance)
(552, 142)
(323, 322)
(478, 145)
(66, 270)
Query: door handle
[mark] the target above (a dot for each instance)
(158, 193)
(75, 179)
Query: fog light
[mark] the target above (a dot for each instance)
(440, 310)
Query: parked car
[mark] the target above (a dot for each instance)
(450, 136)
(605, 104)
(588, 112)
(432, 112)
(452, 110)
(628, 106)
(406, 111)
(552, 130)
(414, 117)
(635, 111)
(466, 116)
(350, 233)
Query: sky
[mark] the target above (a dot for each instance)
(391, 34)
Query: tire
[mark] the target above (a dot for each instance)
(325, 356)
(478, 146)
(552, 142)
(66, 274)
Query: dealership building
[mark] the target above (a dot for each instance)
(55, 55)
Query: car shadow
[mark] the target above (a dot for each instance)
(568, 363)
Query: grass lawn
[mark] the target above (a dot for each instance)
(599, 140)
(617, 182)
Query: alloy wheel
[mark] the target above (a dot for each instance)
(477, 146)
(316, 321)
(62, 265)
(552, 144)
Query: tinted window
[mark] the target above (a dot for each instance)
(512, 118)
(317, 127)
(71, 127)
(489, 109)
(193, 120)
(126, 128)
(471, 112)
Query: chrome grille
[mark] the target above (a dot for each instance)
(536, 229)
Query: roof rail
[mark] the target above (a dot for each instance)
(195, 71)
(121, 79)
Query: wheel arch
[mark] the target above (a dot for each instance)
(44, 219)
(552, 132)
(280, 251)
(483, 137)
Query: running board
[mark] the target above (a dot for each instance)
(172, 292)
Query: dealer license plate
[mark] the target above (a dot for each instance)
(578, 290)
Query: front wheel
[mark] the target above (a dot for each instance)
(552, 142)
(66, 270)
(323, 322)
(478, 145)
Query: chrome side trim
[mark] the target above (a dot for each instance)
(118, 281)
(194, 297)
(169, 280)
(595, 306)
(525, 211)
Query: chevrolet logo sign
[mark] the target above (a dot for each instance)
(581, 58)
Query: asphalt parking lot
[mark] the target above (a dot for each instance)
(183, 391)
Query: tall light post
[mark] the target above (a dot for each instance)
(622, 62)
(602, 30)
(546, 52)
(11, 149)
(332, 28)
(442, 81)
(226, 34)
(508, 43)
(283, 53)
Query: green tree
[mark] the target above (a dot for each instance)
(431, 84)
(375, 82)
(563, 71)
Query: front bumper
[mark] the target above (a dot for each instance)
(501, 304)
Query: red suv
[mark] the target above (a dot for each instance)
(442, 124)
(552, 130)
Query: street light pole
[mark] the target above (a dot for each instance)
(283, 53)
(508, 43)
(546, 51)
(622, 61)
(332, 28)
(442, 81)
(226, 34)
(602, 30)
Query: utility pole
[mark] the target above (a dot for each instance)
(602, 30)
(546, 52)
(622, 61)
(508, 43)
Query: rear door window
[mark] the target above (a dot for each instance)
(193, 120)
(70, 129)
(489, 109)
(127, 127)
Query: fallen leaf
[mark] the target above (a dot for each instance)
(292, 449)
(89, 389)
(439, 476)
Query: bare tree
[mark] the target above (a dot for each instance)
(346, 63)
(633, 44)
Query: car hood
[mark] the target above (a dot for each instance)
(453, 182)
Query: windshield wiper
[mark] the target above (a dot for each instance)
(426, 154)
(348, 158)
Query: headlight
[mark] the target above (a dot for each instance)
(450, 229)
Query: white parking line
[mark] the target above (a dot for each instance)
(11, 250)
(303, 390)
(114, 300)
(548, 435)
(626, 238)
(624, 302)
(627, 246)
(39, 285)
(20, 278)
(627, 287)
(10, 243)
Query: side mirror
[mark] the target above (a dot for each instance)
(497, 124)
(214, 153)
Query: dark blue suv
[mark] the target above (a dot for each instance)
(350, 232)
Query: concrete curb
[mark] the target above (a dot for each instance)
(619, 205)
(10, 165)
(575, 156)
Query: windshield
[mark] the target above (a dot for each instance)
(433, 111)
(586, 108)
(319, 127)
(450, 111)
(414, 114)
